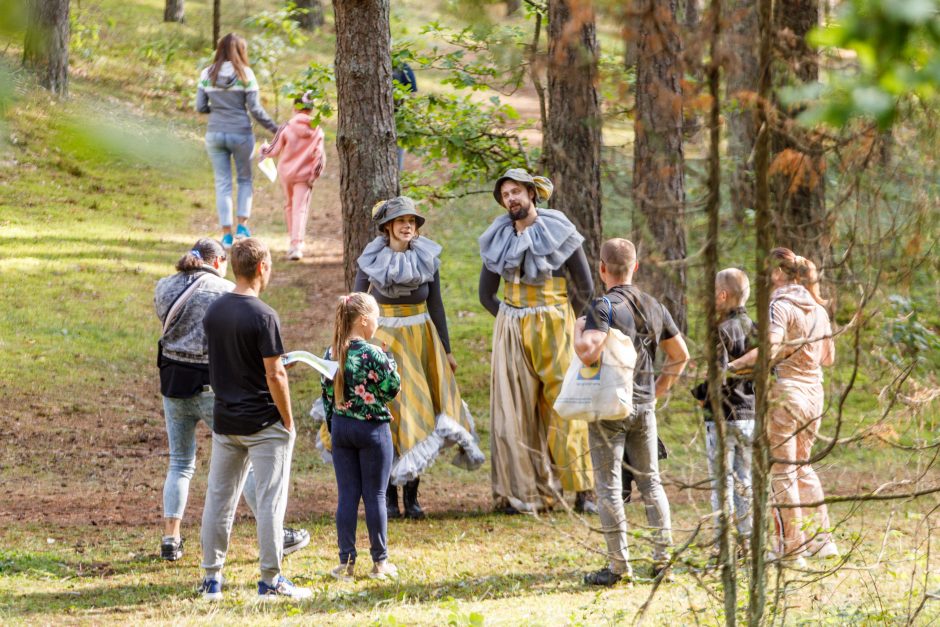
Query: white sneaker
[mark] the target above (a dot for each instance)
(823, 550)
(282, 589)
(384, 570)
(344, 572)
(295, 254)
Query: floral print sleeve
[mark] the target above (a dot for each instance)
(370, 380)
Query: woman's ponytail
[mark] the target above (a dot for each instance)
(799, 270)
(204, 252)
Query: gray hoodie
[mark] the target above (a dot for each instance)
(228, 101)
(185, 340)
(803, 327)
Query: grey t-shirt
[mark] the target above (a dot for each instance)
(642, 318)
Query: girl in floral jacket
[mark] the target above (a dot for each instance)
(355, 405)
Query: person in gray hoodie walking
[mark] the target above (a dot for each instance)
(228, 91)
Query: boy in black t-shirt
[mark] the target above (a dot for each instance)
(252, 422)
(737, 335)
(644, 320)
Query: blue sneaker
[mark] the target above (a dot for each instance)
(242, 232)
(211, 590)
(227, 241)
(282, 589)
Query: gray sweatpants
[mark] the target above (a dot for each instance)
(269, 452)
(608, 438)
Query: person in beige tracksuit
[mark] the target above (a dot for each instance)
(802, 343)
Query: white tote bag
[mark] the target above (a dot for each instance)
(603, 391)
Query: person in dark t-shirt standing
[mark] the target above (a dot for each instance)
(252, 422)
(647, 322)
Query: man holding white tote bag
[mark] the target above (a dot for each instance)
(644, 320)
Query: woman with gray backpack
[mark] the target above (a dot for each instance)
(181, 301)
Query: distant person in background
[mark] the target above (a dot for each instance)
(801, 345)
(300, 161)
(404, 76)
(737, 335)
(228, 91)
(181, 301)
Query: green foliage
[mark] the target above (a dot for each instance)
(280, 35)
(460, 138)
(317, 79)
(909, 339)
(897, 46)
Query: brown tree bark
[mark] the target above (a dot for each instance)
(174, 11)
(46, 44)
(799, 166)
(312, 18)
(573, 152)
(741, 84)
(760, 461)
(658, 180)
(365, 136)
(216, 22)
(512, 6)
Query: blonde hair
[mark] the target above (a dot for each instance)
(619, 255)
(736, 283)
(349, 309)
(799, 270)
(231, 48)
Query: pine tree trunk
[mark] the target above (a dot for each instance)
(799, 162)
(365, 136)
(741, 79)
(312, 18)
(574, 120)
(173, 12)
(46, 45)
(216, 22)
(658, 181)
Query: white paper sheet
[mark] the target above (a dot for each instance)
(269, 168)
(325, 367)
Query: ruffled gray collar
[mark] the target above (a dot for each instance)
(397, 274)
(535, 253)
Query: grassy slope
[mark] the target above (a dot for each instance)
(85, 234)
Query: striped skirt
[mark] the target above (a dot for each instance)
(534, 453)
(428, 414)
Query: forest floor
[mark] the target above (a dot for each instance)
(87, 225)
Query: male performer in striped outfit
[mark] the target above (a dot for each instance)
(535, 455)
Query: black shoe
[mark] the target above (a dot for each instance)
(391, 501)
(171, 549)
(603, 577)
(409, 494)
(584, 503)
(295, 539)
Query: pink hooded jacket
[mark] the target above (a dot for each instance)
(299, 149)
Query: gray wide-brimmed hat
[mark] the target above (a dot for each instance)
(543, 187)
(387, 210)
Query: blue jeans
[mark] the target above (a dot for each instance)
(222, 148)
(182, 416)
(362, 460)
(740, 436)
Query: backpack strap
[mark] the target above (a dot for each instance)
(181, 300)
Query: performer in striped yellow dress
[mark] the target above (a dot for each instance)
(401, 270)
(534, 453)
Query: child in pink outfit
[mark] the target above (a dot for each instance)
(301, 158)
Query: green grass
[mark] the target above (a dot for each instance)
(99, 196)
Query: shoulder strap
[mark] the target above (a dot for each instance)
(181, 300)
(647, 334)
(610, 313)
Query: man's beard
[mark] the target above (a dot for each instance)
(519, 213)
